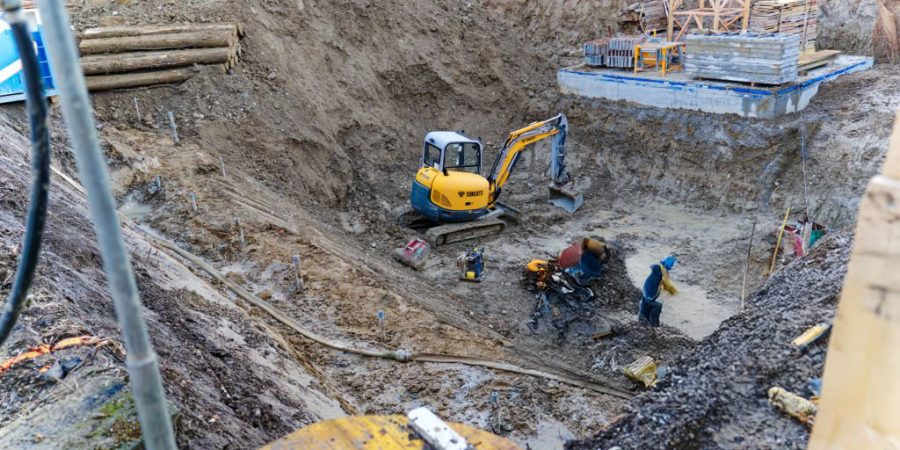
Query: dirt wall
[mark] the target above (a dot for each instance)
(847, 25)
(560, 23)
(887, 32)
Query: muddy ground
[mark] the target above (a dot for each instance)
(308, 148)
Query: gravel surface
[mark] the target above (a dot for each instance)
(715, 396)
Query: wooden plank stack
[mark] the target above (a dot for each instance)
(799, 17)
(142, 55)
(646, 16)
(743, 57)
(817, 59)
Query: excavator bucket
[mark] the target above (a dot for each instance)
(561, 194)
(562, 197)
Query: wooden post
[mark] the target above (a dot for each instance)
(745, 22)
(860, 402)
(717, 12)
(778, 243)
(670, 29)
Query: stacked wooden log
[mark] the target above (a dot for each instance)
(142, 55)
(800, 17)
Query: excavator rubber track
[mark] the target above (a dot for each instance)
(458, 232)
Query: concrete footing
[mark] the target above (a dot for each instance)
(678, 91)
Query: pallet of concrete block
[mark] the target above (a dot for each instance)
(743, 57)
(621, 51)
(129, 56)
(595, 52)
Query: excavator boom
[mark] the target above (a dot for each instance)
(518, 141)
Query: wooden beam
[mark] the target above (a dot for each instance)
(149, 30)
(860, 402)
(137, 79)
(673, 7)
(745, 23)
(128, 62)
(198, 39)
(717, 13)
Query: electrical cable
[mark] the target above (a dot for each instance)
(36, 216)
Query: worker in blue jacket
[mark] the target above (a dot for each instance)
(658, 281)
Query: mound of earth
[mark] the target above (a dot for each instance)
(715, 396)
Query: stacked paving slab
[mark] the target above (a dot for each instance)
(747, 58)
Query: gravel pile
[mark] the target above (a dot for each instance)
(715, 396)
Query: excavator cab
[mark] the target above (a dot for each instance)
(452, 151)
(449, 186)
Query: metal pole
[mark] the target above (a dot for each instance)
(747, 267)
(141, 361)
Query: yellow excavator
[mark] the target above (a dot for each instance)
(449, 189)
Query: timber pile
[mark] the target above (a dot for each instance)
(142, 55)
(796, 17)
(817, 59)
(647, 16)
(743, 57)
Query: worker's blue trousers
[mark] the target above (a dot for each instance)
(649, 311)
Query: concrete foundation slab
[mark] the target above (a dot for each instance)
(679, 91)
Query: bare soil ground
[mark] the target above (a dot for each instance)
(309, 147)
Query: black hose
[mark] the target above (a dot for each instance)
(36, 105)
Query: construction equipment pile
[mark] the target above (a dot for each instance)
(595, 52)
(793, 17)
(646, 16)
(744, 57)
(142, 55)
(621, 51)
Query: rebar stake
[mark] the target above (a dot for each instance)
(298, 277)
(172, 126)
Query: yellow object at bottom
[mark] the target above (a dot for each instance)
(377, 433)
(643, 371)
(793, 405)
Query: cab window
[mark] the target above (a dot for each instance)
(463, 157)
(432, 156)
